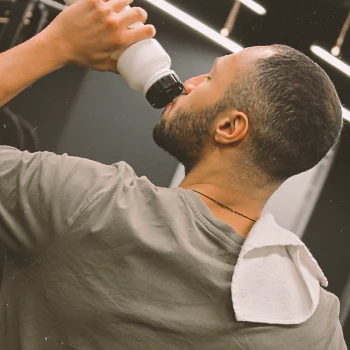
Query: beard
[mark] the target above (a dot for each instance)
(185, 134)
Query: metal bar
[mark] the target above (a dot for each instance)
(343, 32)
(230, 22)
(54, 4)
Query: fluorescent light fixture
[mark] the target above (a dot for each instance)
(196, 25)
(346, 114)
(336, 62)
(254, 6)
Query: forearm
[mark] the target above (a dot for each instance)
(24, 64)
(86, 34)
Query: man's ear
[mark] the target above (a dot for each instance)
(231, 127)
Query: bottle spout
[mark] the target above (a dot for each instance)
(164, 91)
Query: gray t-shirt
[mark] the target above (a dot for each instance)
(98, 258)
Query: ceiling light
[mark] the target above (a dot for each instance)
(336, 62)
(196, 25)
(254, 6)
(346, 114)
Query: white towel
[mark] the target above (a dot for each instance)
(276, 279)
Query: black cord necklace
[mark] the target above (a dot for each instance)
(233, 211)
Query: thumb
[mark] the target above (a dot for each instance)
(111, 65)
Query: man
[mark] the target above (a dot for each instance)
(98, 258)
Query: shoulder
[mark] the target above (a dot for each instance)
(327, 331)
(321, 331)
(329, 304)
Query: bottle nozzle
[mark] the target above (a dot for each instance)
(163, 91)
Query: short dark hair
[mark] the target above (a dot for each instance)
(294, 112)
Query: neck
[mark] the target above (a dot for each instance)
(237, 191)
(241, 199)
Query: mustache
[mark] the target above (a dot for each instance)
(183, 93)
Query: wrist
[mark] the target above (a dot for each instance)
(49, 50)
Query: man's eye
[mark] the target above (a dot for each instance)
(208, 77)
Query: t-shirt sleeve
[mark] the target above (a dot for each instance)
(338, 342)
(333, 332)
(42, 194)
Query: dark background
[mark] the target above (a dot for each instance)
(96, 115)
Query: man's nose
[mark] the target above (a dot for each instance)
(192, 83)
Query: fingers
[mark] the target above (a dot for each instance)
(139, 33)
(118, 5)
(124, 20)
(131, 16)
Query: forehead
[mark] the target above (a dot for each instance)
(243, 60)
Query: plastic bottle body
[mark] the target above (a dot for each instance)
(142, 73)
(146, 67)
(142, 63)
(115, 55)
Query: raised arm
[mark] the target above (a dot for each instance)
(86, 34)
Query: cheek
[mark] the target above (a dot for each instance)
(200, 96)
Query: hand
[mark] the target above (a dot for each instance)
(89, 31)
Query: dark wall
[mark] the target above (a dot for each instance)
(328, 232)
(46, 103)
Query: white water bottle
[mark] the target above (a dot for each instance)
(145, 66)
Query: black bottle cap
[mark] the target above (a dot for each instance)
(164, 90)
